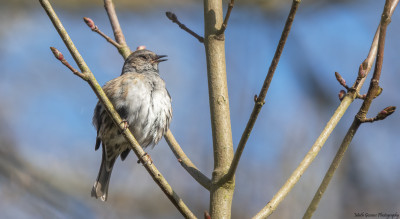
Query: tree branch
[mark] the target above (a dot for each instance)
(335, 163)
(305, 163)
(260, 99)
(221, 194)
(60, 57)
(186, 162)
(119, 36)
(94, 28)
(374, 88)
(228, 14)
(174, 19)
(151, 169)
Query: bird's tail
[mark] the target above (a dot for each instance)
(100, 187)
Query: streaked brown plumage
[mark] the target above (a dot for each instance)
(140, 97)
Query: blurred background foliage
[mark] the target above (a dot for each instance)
(47, 157)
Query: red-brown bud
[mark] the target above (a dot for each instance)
(341, 95)
(57, 53)
(362, 72)
(90, 23)
(386, 112)
(340, 79)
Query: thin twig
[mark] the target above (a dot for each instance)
(186, 162)
(150, 167)
(174, 19)
(60, 57)
(119, 36)
(169, 137)
(305, 163)
(228, 14)
(374, 88)
(260, 99)
(341, 80)
(94, 28)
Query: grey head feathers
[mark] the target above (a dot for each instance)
(142, 61)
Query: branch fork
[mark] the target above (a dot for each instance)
(377, 50)
(380, 116)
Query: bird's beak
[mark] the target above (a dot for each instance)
(159, 58)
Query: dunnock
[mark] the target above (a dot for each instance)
(141, 99)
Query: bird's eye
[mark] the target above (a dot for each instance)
(143, 57)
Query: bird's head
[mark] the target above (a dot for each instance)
(142, 61)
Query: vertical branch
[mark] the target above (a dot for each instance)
(119, 36)
(220, 195)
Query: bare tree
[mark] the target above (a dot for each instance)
(222, 184)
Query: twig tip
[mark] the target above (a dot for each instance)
(362, 72)
(340, 79)
(171, 16)
(90, 23)
(57, 53)
(386, 112)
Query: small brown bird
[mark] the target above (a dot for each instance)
(141, 99)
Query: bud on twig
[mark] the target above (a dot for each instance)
(379, 92)
(90, 23)
(361, 71)
(57, 53)
(171, 16)
(386, 112)
(340, 79)
(341, 95)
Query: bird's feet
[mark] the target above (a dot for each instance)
(125, 125)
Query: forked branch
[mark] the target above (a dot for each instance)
(312, 153)
(378, 40)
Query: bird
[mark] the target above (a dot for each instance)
(140, 97)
